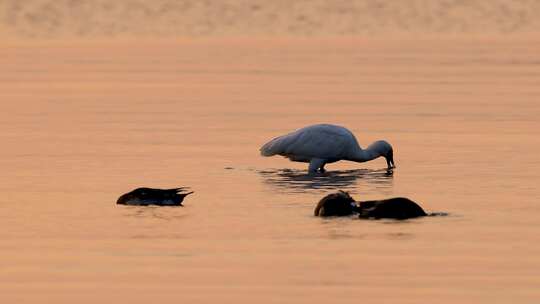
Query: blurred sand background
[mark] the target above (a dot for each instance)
(104, 18)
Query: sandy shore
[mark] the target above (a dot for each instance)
(102, 18)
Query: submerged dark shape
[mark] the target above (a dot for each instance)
(342, 204)
(150, 196)
(398, 208)
(336, 204)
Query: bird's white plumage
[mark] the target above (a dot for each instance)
(326, 141)
(323, 143)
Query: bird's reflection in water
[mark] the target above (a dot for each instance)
(298, 181)
(155, 212)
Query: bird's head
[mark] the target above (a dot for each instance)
(137, 194)
(384, 149)
(336, 204)
(124, 198)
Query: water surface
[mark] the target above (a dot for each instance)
(83, 122)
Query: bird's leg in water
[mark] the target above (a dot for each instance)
(315, 164)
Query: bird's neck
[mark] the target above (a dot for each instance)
(364, 155)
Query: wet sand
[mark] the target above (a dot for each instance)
(85, 121)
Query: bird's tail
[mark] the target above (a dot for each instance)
(265, 151)
(270, 148)
(179, 189)
(186, 194)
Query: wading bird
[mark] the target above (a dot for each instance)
(321, 144)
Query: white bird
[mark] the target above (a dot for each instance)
(321, 144)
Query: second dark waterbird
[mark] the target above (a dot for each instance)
(342, 204)
(152, 196)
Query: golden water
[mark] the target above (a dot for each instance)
(83, 122)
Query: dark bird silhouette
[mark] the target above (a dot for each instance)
(150, 196)
(336, 204)
(399, 208)
(342, 204)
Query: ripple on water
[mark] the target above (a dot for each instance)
(299, 181)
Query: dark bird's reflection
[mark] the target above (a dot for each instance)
(298, 181)
(154, 212)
